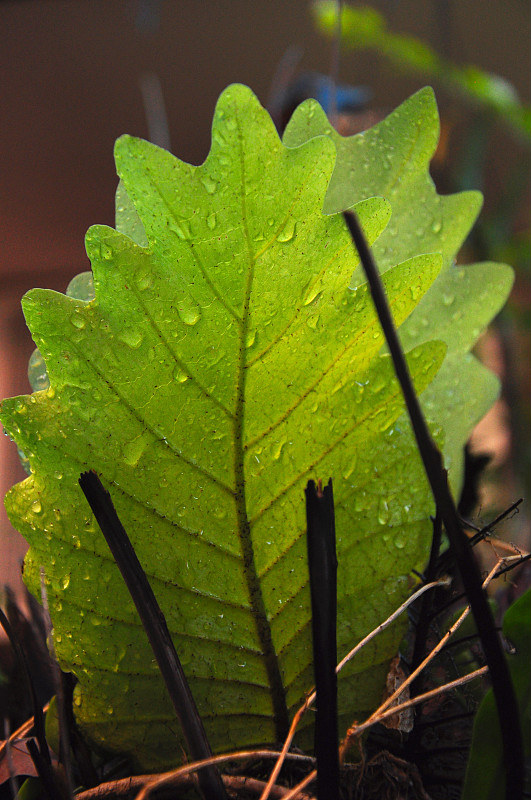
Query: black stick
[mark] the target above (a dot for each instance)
(502, 686)
(322, 565)
(156, 629)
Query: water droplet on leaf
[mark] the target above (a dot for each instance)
(209, 184)
(81, 287)
(288, 231)
(188, 311)
(383, 512)
(37, 373)
(77, 320)
(131, 337)
(179, 375)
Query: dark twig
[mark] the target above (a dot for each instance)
(156, 629)
(488, 529)
(502, 686)
(322, 565)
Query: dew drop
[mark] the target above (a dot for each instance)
(383, 512)
(209, 184)
(37, 372)
(312, 293)
(218, 138)
(436, 226)
(211, 221)
(65, 581)
(250, 337)
(188, 311)
(144, 281)
(400, 541)
(277, 450)
(133, 450)
(77, 320)
(81, 287)
(179, 375)
(105, 251)
(131, 337)
(36, 507)
(288, 231)
(181, 229)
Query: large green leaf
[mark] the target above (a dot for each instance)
(224, 361)
(391, 160)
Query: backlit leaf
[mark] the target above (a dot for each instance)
(226, 359)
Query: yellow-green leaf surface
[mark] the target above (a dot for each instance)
(224, 361)
(391, 160)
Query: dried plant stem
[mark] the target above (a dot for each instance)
(311, 697)
(297, 790)
(152, 782)
(377, 715)
(353, 732)
(420, 698)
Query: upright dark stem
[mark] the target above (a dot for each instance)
(322, 565)
(156, 629)
(508, 712)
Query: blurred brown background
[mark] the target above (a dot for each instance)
(71, 73)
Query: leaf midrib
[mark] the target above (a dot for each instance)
(256, 598)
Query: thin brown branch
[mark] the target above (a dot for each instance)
(158, 781)
(296, 792)
(377, 715)
(357, 730)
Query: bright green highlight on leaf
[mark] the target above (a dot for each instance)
(227, 358)
(363, 28)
